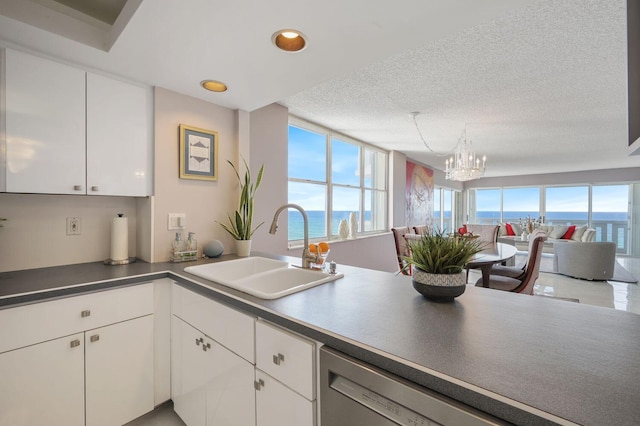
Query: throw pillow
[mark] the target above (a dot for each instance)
(589, 235)
(502, 231)
(558, 231)
(577, 235)
(517, 229)
(509, 229)
(567, 235)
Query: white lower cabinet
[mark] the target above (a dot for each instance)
(83, 360)
(212, 374)
(119, 372)
(43, 384)
(278, 405)
(285, 377)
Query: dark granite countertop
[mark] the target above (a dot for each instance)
(528, 360)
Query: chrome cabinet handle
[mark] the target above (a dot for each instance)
(77, 187)
(206, 346)
(277, 359)
(257, 385)
(95, 188)
(85, 313)
(94, 338)
(74, 343)
(199, 340)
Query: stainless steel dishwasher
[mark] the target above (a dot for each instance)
(356, 394)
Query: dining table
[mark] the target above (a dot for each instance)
(492, 253)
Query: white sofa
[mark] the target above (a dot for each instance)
(589, 261)
(581, 234)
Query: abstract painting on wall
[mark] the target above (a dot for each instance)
(419, 195)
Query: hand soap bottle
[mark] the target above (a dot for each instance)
(192, 245)
(177, 246)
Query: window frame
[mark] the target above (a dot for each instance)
(329, 185)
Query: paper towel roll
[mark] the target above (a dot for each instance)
(119, 238)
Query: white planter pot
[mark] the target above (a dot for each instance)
(243, 248)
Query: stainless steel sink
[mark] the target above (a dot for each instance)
(262, 277)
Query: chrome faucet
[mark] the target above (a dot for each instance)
(307, 257)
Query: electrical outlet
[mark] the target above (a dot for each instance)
(73, 226)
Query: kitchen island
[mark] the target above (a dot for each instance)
(527, 360)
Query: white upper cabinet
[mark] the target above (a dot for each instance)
(45, 126)
(72, 132)
(118, 134)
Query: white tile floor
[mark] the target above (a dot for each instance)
(609, 294)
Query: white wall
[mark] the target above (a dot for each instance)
(269, 136)
(203, 202)
(35, 234)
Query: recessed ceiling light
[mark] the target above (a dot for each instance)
(214, 86)
(289, 40)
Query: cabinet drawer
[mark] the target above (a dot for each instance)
(233, 329)
(287, 357)
(38, 322)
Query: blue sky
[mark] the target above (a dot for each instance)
(607, 198)
(307, 160)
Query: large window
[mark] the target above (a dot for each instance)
(332, 173)
(567, 205)
(447, 210)
(520, 203)
(606, 208)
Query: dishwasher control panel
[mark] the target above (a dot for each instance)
(378, 403)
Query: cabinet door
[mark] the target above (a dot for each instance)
(276, 404)
(119, 372)
(287, 357)
(43, 384)
(118, 137)
(45, 126)
(188, 373)
(230, 392)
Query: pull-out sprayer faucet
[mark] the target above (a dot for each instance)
(307, 257)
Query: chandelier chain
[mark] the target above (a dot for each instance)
(437, 154)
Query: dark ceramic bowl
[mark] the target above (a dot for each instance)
(439, 293)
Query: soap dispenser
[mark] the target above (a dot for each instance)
(177, 246)
(192, 245)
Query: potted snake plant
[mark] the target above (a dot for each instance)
(240, 224)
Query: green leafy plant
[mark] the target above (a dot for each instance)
(436, 253)
(240, 223)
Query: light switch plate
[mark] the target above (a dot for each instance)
(176, 221)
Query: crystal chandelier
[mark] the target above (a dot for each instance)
(464, 165)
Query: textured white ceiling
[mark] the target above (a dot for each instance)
(542, 89)
(540, 84)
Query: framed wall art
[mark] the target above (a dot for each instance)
(198, 153)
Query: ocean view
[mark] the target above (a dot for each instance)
(317, 220)
(317, 223)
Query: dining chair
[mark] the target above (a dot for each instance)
(517, 271)
(402, 248)
(420, 229)
(487, 234)
(525, 283)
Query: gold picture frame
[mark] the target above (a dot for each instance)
(198, 153)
